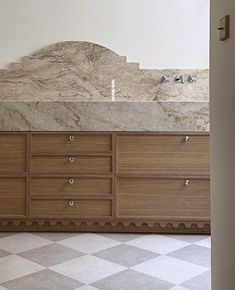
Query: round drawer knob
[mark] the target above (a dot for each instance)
(71, 203)
(186, 138)
(71, 181)
(186, 182)
(71, 159)
(71, 138)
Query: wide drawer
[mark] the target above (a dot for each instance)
(163, 154)
(71, 143)
(12, 153)
(67, 208)
(12, 196)
(71, 164)
(70, 186)
(163, 198)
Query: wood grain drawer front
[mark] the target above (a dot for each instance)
(79, 164)
(12, 153)
(79, 208)
(163, 198)
(12, 196)
(163, 154)
(70, 186)
(71, 143)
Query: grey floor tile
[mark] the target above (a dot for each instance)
(13, 267)
(126, 255)
(51, 255)
(188, 238)
(55, 237)
(6, 234)
(43, 280)
(131, 280)
(201, 282)
(4, 253)
(121, 237)
(85, 287)
(194, 254)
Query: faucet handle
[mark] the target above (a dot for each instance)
(192, 78)
(165, 79)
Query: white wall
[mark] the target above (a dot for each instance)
(156, 33)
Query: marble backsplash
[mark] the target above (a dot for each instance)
(83, 71)
(103, 116)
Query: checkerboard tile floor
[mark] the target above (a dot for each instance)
(86, 261)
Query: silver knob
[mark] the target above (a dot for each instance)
(186, 138)
(71, 138)
(71, 159)
(71, 203)
(186, 182)
(71, 181)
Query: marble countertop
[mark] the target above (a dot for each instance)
(103, 116)
(70, 86)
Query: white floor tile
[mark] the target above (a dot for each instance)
(170, 269)
(89, 243)
(158, 244)
(22, 242)
(204, 243)
(12, 267)
(88, 269)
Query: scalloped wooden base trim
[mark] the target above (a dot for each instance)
(202, 227)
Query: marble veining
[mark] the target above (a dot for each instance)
(103, 116)
(84, 71)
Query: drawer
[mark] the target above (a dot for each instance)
(71, 143)
(71, 164)
(163, 154)
(79, 208)
(64, 186)
(12, 153)
(163, 198)
(12, 196)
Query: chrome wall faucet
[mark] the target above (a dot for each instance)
(180, 79)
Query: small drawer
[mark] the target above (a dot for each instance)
(70, 186)
(12, 153)
(163, 198)
(71, 164)
(68, 208)
(12, 196)
(163, 154)
(71, 143)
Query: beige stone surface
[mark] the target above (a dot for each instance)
(85, 71)
(103, 116)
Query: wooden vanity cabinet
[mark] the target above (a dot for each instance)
(105, 181)
(163, 154)
(13, 175)
(13, 153)
(12, 196)
(157, 198)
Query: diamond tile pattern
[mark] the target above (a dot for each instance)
(86, 261)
